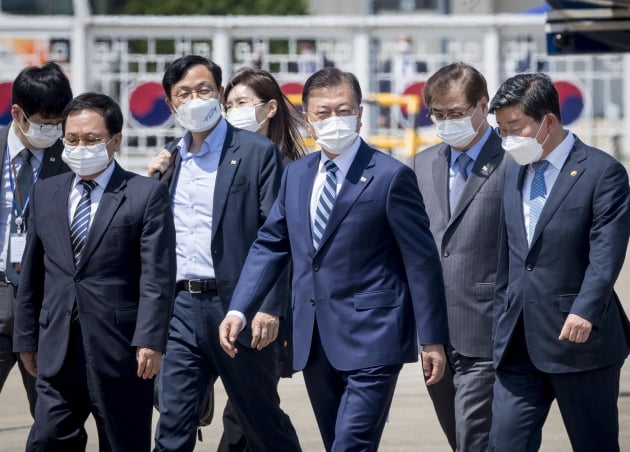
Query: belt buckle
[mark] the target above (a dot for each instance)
(190, 289)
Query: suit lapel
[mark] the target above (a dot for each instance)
(569, 174)
(513, 202)
(358, 178)
(306, 182)
(487, 161)
(228, 165)
(59, 223)
(51, 161)
(440, 178)
(112, 197)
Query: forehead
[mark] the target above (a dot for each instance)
(194, 76)
(453, 97)
(509, 115)
(84, 122)
(241, 90)
(331, 97)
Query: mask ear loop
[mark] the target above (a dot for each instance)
(539, 129)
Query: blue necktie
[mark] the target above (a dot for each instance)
(459, 181)
(325, 203)
(81, 221)
(537, 196)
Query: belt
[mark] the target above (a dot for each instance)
(197, 285)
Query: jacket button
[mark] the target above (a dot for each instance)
(312, 302)
(445, 254)
(77, 279)
(529, 267)
(316, 267)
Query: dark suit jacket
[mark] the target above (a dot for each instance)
(373, 280)
(52, 164)
(467, 241)
(246, 186)
(575, 256)
(123, 286)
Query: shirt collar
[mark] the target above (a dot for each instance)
(102, 179)
(16, 146)
(213, 142)
(474, 150)
(343, 160)
(559, 155)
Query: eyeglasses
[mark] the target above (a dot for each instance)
(450, 115)
(205, 92)
(44, 128)
(242, 102)
(320, 115)
(88, 141)
(516, 132)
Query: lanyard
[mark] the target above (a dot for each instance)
(17, 212)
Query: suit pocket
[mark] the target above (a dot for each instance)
(484, 291)
(239, 186)
(378, 299)
(43, 317)
(565, 302)
(126, 316)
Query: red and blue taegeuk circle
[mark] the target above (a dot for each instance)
(571, 98)
(421, 118)
(5, 103)
(147, 106)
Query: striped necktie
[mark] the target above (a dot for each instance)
(459, 181)
(325, 203)
(81, 221)
(537, 196)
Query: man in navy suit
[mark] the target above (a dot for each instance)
(560, 331)
(223, 182)
(39, 95)
(463, 201)
(96, 289)
(367, 283)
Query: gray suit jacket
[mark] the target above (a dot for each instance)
(467, 241)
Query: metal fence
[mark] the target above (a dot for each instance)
(125, 57)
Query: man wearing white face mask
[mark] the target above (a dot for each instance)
(223, 182)
(31, 150)
(367, 285)
(560, 331)
(101, 241)
(460, 181)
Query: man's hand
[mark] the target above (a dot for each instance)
(149, 362)
(433, 363)
(163, 162)
(228, 332)
(264, 329)
(29, 359)
(576, 329)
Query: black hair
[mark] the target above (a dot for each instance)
(328, 77)
(534, 93)
(42, 89)
(177, 70)
(100, 103)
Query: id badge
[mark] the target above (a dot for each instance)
(18, 243)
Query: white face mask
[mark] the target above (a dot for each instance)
(524, 150)
(337, 133)
(199, 115)
(87, 160)
(245, 118)
(457, 133)
(38, 138)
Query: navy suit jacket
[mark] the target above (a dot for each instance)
(375, 277)
(467, 240)
(123, 286)
(245, 188)
(577, 251)
(51, 165)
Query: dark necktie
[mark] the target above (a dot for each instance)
(325, 203)
(81, 221)
(537, 196)
(23, 184)
(459, 181)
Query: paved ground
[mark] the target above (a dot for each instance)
(412, 425)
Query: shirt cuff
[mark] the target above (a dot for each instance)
(240, 315)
